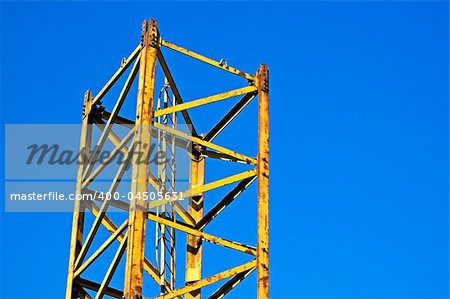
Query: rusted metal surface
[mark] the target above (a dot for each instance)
(206, 100)
(206, 60)
(78, 214)
(209, 280)
(241, 157)
(262, 81)
(137, 215)
(194, 244)
(169, 215)
(230, 284)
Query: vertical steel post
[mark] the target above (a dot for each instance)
(78, 213)
(194, 244)
(140, 169)
(262, 82)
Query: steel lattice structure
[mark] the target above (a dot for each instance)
(169, 216)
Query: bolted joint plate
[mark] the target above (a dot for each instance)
(195, 151)
(264, 75)
(150, 34)
(262, 78)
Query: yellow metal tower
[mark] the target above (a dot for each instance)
(169, 215)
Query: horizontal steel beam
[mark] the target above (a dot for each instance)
(209, 280)
(224, 202)
(207, 237)
(130, 124)
(204, 101)
(125, 206)
(247, 160)
(230, 284)
(203, 188)
(229, 116)
(220, 156)
(219, 183)
(206, 60)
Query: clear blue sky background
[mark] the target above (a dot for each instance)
(359, 124)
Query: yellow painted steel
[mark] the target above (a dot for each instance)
(206, 60)
(225, 201)
(139, 185)
(111, 269)
(210, 238)
(205, 100)
(111, 227)
(187, 218)
(116, 140)
(219, 183)
(102, 248)
(230, 284)
(210, 145)
(210, 280)
(262, 81)
(175, 91)
(203, 188)
(105, 204)
(109, 124)
(131, 233)
(194, 244)
(78, 213)
(119, 147)
(231, 114)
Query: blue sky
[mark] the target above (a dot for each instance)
(359, 132)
